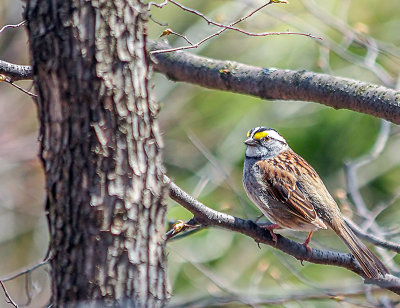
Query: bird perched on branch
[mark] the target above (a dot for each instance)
(290, 193)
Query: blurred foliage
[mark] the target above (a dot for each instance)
(203, 132)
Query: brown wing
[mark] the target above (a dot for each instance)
(284, 187)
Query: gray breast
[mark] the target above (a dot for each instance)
(251, 183)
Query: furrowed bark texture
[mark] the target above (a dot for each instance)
(100, 149)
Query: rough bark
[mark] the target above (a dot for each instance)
(100, 149)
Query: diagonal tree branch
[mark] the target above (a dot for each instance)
(336, 92)
(209, 217)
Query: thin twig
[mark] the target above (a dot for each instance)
(181, 226)
(169, 31)
(28, 270)
(352, 167)
(9, 300)
(162, 24)
(8, 80)
(22, 89)
(343, 27)
(28, 282)
(338, 49)
(217, 24)
(223, 286)
(13, 26)
(224, 28)
(217, 165)
(159, 5)
(185, 234)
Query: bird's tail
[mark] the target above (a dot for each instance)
(372, 266)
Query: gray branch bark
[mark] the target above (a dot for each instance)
(209, 217)
(274, 84)
(271, 83)
(101, 153)
(15, 72)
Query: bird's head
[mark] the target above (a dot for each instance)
(264, 142)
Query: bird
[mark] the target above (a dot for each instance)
(291, 194)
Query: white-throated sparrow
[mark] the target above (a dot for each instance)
(291, 195)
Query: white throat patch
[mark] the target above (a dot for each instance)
(256, 151)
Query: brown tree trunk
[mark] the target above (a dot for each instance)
(100, 148)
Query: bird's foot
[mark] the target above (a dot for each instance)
(271, 228)
(305, 244)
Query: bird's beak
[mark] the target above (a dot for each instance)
(250, 141)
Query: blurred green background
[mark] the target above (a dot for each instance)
(203, 132)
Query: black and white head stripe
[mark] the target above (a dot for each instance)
(261, 132)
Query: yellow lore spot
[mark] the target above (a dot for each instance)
(248, 133)
(260, 135)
